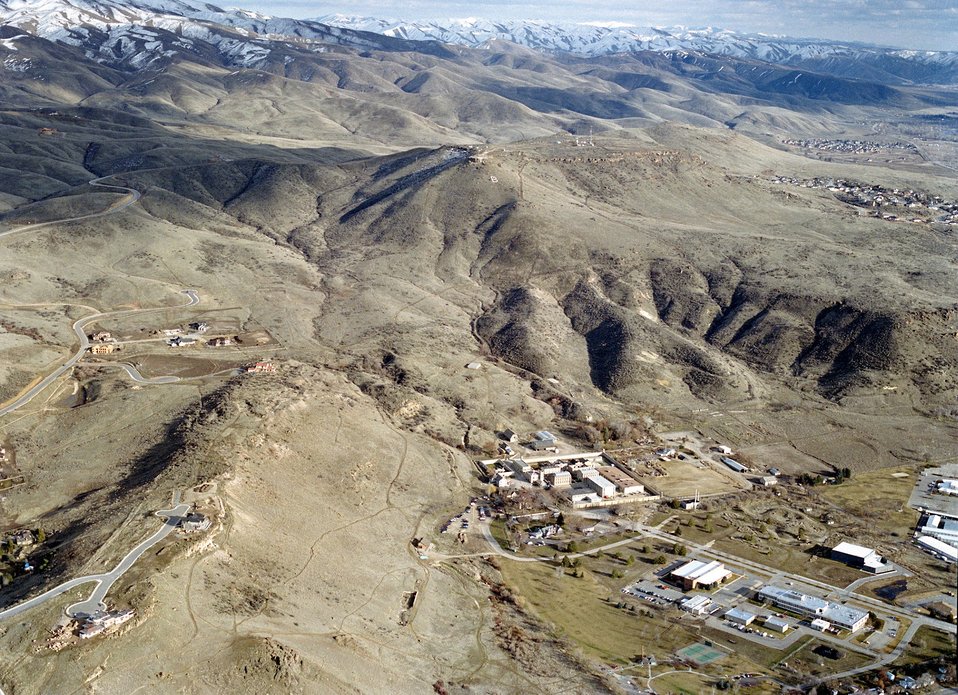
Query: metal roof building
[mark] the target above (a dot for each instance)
(734, 465)
(947, 552)
(605, 488)
(696, 604)
(696, 573)
(777, 624)
(860, 557)
(844, 616)
(737, 615)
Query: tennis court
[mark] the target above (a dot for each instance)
(701, 654)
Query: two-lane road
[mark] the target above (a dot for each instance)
(105, 580)
(132, 194)
(79, 328)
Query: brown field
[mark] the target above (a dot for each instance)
(878, 496)
(806, 660)
(684, 479)
(928, 644)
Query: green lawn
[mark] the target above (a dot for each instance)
(579, 611)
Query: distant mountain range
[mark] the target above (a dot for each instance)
(850, 60)
(140, 33)
(176, 59)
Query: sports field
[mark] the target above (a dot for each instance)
(701, 654)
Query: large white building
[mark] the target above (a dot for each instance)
(697, 574)
(947, 487)
(858, 556)
(605, 488)
(849, 618)
(943, 550)
(940, 526)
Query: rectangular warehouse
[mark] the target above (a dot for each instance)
(602, 486)
(625, 483)
(858, 556)
(946, 552)
(740, 617)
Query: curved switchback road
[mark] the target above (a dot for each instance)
(134, 195)
(135, 375)
(105, 580)
(173, 516)
(79, 328)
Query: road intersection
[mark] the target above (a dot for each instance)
(79, 328)
(916, 620)
(104, 580)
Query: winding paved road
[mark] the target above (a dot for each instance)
(135, 375)
(134, 195)
(79, 328)
(173, 516)
(80, 325)
(107, 579)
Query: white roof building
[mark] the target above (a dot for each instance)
(820, 625)
(947, 552)
(696, 604)
(778, 624)
(847, 617)
(859, 556)
(603, 486)
(697, 573)
(742, 617)
(948, 487)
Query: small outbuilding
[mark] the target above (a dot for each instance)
(696, 605)
(543, 439)
(777, 624)
(740, 616)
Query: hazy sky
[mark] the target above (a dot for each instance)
(927, 24)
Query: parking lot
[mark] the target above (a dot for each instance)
(924, 497)
(653, 592)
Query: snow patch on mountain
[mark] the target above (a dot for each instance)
(138, 33)
(596, 39)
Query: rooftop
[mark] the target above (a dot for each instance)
(812, 605)
(696, 601)
(853, 550)
(739, 614)
(698, 570)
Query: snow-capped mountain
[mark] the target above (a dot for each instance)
(140, 33)
(841, 59)
(136, 34)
